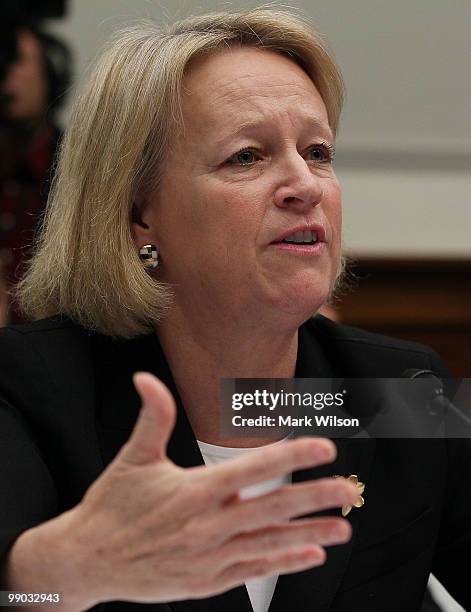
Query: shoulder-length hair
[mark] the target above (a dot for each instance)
(85, 263)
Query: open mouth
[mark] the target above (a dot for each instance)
(308, 237)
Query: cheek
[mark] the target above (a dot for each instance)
(231, 214)
(334, 210)
(208, 230)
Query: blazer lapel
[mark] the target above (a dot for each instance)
(314, 589)
(118, 402)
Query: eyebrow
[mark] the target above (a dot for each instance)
(257, 124)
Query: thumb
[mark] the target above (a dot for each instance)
(148, 441)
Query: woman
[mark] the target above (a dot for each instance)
(206, 150)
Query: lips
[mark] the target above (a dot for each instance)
(303, 234)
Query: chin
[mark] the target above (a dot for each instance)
(302, 302)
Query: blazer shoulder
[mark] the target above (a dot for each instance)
(53, 336)
(339, 332)
(50, 354)
(374, 354)
(50, 324)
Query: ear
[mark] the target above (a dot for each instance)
(141, 228)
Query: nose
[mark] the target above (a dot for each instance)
(299, 188)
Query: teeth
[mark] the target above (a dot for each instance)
(300, 237)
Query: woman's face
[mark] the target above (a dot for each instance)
(25, 80)
(252, 166)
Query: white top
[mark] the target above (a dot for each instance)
(260, 589)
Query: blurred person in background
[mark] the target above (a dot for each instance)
(34, 76)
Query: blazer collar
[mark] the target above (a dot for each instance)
(117, 409)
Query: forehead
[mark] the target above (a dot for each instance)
(245, 85)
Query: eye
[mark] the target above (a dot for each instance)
(322, 153)
(244, 157)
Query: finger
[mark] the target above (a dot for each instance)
(282, 539)
(266, 463)
(279, 505)
(148, 441)
(295, 561)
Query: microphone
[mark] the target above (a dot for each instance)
(458, 425)
(388, 409)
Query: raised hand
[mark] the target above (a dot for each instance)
(150, 531)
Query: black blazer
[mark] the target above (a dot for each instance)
(67, 405)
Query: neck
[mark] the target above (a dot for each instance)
(200, 355)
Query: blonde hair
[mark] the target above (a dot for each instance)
(86, 263)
